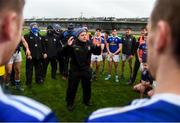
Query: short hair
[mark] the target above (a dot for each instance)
(143, 28)
(114, 28)
(107, 32)
(128, 28)
(14, 5)
(172, 17)
(98, 29)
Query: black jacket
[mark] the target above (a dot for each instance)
(80, 54)
(50, 43)
(35, 45)
(129, 43)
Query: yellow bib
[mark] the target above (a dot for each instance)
(2, 70)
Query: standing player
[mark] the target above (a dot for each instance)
(105, 53)
(137, 63)
(128, 42)
(96, 58)
(15, 64)
(114, 46)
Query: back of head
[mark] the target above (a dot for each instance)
(70, 26)
(10, 27)
(13, 5)
(167, 10)
(57, 28)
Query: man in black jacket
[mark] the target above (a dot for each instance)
(66, 35)
(128, 42)
(50, 44)
(79, 50)
(137, 63)
(34, 41)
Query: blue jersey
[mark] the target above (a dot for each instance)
(114, 43)
(161, 107)
(67, 34)
(23, 109)
(143, 47)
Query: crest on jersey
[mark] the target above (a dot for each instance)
(89, 48)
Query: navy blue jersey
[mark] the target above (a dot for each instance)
(23, 109)
(105, 48)
(114, 43)
(146, 76)
(161, 108)
(143, 47)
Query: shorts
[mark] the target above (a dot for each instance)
(115, 58)
(17, 57)
(96, 58)
(125, 57)
(104, 55)
(141, 67)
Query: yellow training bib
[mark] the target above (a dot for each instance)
(2, 70)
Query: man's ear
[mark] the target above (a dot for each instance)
(162, 36)
(9, 26)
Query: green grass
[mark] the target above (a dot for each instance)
(104, 94)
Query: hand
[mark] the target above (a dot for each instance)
(29, 57)
(131, 56)
(70, 40)
(45, 56)
(28, 53)
(140, 60)
(98, 44)
(111, 55)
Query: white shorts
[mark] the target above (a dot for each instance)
(141, 67)
(96, 58)
(125, 57)
(104, 55)
(115, 58)
(17, 57)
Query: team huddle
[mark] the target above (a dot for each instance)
(80, 57)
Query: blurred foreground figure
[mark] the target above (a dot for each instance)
(16, 108)
(164, 64)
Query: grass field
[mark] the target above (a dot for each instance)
(104, 94)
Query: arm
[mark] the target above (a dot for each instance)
(107, 46)
(25, 44)
(133, 46)
(44, 47)
(66, 50)
(138, 53)
(102, 47)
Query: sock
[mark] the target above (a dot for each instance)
(17, 83)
